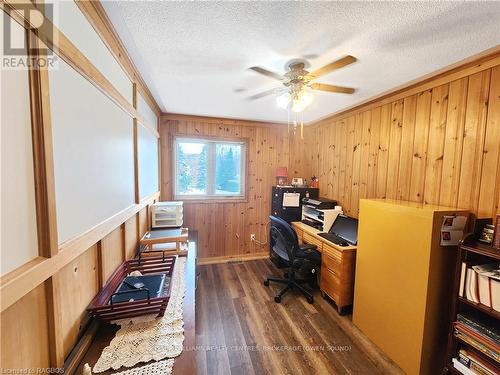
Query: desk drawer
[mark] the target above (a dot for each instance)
(307, 238)
(330, 284)
(330, 262)
(333, 252)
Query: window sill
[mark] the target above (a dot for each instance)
(212, 200)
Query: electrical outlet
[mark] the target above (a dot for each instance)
(252, 237)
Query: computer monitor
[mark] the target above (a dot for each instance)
(345, 228)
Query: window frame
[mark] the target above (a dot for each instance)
(211, 165)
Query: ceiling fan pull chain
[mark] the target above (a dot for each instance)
(302, 126)
(288, 120)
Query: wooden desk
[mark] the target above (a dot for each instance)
(337, 265)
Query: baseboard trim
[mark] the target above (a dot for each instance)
(80, 349)
(233, 258)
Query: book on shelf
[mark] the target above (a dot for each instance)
(496, 236)
(480, 283)
(476, 325)
(461, 368)
(478, 345)
(479, 340)
(466, 275)
(471, 284)
(476, 364)
(495, 294)
(462, 279)
(483, 339)
(481, 336)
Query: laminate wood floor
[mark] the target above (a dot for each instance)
(241, 330)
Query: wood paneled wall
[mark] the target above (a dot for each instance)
(224, 228)
(79, 284)
(439, 144)
(25, 332)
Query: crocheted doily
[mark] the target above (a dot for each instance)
(146, 338)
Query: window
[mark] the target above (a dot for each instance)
(209, 168)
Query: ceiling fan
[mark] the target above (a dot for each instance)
(299, 82)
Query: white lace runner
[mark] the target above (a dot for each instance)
(146, 338)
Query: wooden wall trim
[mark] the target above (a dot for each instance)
(54, 307)
(165, 117)
(43, 163)
(22, 280)
(49, 34)
(137, 194)
(136, 146)
(474, 64)
(98, 18)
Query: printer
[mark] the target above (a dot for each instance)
(319, 213)
(319, 203)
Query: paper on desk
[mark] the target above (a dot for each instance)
(291, 199)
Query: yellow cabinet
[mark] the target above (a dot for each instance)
(403, 282)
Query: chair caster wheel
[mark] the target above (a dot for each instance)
(310, 300)
(277, 299)
(266, 282)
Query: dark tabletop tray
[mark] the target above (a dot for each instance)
(101, 308)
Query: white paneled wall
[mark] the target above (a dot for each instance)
(71, 21)
(18, 222)
(148, 162)
(145, 110)
(93, 153)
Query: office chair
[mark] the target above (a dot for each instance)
(298, 258)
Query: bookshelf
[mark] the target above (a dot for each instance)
(471, 250)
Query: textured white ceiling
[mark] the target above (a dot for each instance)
(194, 55)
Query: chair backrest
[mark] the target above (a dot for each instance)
(284, 240)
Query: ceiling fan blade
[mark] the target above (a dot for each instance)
(261, 94)
(332, 88)
(267, 73)
(334, 65)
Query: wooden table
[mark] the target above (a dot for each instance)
(185, 363)
(337, 266)
(158, 240)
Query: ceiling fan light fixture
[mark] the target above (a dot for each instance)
(283, 100)
(306, 97)
(296, 93)
(302, 100)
